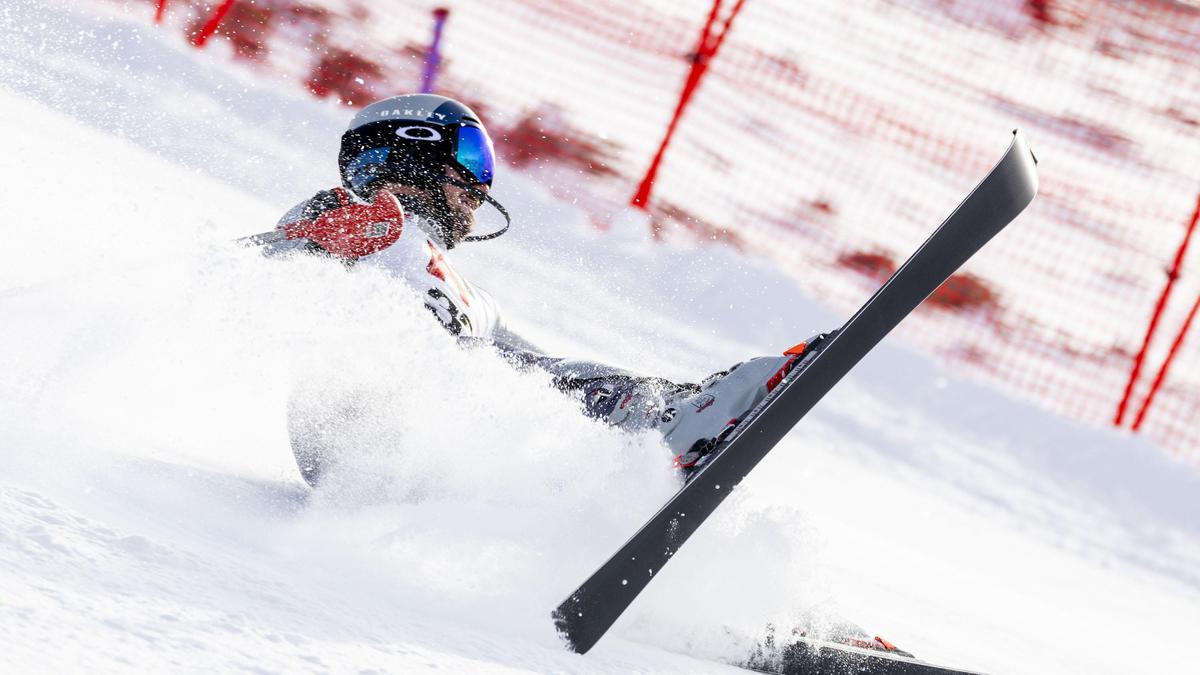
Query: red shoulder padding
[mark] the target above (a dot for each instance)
(354, 230)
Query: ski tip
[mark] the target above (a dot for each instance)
(1020, 168)
(1018, 134)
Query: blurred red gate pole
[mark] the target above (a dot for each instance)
(213, 21)
(1154, 318)
(1162, 372)
(158, 12)
(706, 50)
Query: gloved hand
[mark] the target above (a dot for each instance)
(347, 228)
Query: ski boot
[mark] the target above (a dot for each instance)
(706, 418)
(694, 418)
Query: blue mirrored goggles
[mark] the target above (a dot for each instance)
(474, 152)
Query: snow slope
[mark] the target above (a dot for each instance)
(152, 519)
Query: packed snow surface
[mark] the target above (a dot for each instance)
(152, 519)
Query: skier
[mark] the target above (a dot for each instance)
(414, 169)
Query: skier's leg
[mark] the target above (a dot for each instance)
(320, 424)
(692, 418)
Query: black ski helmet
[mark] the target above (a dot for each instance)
(410, 138)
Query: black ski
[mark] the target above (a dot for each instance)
(584, 617)
(806, 656)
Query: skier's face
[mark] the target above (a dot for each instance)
(454, 209)
(463, 203)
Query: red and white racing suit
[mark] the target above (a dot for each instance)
(688, 415)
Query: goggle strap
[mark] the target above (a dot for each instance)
(485, 197)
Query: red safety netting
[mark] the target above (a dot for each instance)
(832, 137)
